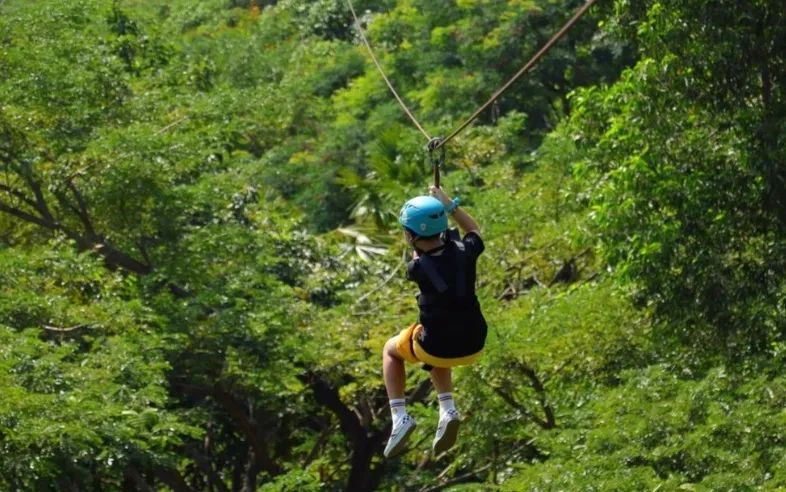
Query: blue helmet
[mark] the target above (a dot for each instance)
(424, 216)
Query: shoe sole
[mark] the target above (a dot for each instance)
(401, 445)
(448, 438)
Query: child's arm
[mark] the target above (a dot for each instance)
(462, 218)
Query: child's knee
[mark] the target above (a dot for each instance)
(390, 348)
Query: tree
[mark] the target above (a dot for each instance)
(683, 164)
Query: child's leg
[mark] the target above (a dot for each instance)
(441, 377)
(447, 429)
(393, 370)
(395, 378)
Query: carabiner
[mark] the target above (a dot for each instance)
(437, 158)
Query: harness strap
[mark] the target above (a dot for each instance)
(429, 267)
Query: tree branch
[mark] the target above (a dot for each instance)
(82, 208)
(510, 400)
(467, 477)
(41, 204)
(140, 245)
(421, 392)
(133, 476)
(384, 282)
(114, 257)
(14, 192)
(204, 465)
(27, 217)
(537, 385)
(173, 124)
(328, 396)
(64, 330)
(474, 473)
(173, 479)
(548, 422)
(248, 427)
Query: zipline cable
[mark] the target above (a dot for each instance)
(379, 67)
(526, 68)
(437, 143)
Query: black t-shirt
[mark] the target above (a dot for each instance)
(452, 326)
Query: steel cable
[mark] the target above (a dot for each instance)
(526, 68)
(435, 144)
(382, 72)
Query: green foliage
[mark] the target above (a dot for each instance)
(85, 388)
(200, 262)
(680, 431)
(682, 202)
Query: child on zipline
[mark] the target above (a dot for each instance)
(451, 330)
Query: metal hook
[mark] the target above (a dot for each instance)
(436, 160)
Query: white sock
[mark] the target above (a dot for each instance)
(398, 409)
(445, 403)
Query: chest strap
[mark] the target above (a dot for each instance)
(430, 269)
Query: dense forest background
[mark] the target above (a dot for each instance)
(200, 262)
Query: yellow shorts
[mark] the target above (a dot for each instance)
(411, 351)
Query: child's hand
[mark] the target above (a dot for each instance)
(440, 195)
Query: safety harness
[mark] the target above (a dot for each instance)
(429, 267)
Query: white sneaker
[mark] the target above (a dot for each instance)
(447, 431)
(401, 431)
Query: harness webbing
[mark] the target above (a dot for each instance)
(429, 267)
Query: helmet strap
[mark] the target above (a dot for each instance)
(413, 239)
